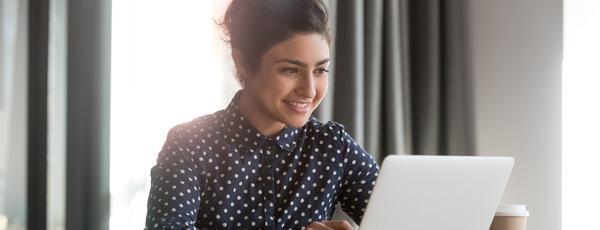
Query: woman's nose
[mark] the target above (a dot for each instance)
(306, 87)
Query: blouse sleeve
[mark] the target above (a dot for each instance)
(175, 190)
(360, 174)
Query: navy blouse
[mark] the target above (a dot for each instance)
(218, 172)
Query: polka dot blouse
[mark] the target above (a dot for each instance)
(218, 172)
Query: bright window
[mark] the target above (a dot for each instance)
(581, 115)
(168, 67)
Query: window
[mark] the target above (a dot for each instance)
(168, 67)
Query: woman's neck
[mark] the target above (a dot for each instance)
(258, 118)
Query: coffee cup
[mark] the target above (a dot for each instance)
(510, 217)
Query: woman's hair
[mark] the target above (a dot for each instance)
(255, 26)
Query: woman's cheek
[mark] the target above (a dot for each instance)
(322, 86)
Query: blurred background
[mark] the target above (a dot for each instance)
(89, 89)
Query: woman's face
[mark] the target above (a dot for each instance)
(291, 80)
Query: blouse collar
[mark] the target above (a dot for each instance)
(243, 134)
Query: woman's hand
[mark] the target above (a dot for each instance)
(330, 225)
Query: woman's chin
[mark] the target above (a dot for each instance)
(297, 122)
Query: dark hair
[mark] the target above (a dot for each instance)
(255, 26)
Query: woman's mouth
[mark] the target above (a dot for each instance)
(299, 107)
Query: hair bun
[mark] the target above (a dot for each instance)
(255, 26)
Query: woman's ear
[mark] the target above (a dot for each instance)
(238, 60)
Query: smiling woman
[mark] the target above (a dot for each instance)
(264, 162)
(289, 85)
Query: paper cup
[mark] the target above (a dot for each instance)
(510, 217)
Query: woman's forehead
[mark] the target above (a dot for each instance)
(308, 48)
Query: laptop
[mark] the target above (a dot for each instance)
(437, 192)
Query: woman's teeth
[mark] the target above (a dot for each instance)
(301, 105)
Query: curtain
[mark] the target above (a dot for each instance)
(398, 79)
(88, 114)
(37, 113)
(86, 59)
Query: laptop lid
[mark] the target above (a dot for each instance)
(437, 192)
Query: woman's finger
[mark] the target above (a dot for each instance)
(338, 225)
(317, 226)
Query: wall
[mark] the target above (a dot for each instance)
(516, 57)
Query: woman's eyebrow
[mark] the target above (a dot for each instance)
(323, 61)
(296, 62)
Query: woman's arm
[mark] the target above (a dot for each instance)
(175, 190)
(360, 173)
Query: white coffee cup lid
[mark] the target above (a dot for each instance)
(511, 210)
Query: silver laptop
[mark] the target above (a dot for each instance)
(437, 192)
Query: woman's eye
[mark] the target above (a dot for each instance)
(322, 71)
(290, 70)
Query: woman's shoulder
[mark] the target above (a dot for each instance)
(202, 124)
(327, 128)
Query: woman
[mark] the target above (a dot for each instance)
(264, 162)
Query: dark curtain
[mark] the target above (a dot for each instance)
(398, 81)
(88, 114)
(397, 78)
(37, 113)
